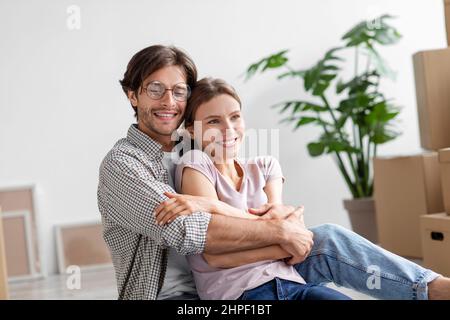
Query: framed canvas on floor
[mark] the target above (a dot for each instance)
(20, 219)
(82, 245)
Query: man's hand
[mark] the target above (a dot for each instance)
(274, 211)
(181, 204)
(298, 241)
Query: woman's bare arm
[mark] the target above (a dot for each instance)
(225, 209)
(273, 190)
(199, 185)
(240, 258)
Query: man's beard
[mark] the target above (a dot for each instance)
(146, 119)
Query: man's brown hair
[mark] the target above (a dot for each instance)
(151, 59)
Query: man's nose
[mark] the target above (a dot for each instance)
(167, 98)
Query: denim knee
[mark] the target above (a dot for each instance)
(329, 229)
(331, 235)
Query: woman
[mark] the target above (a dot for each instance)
(213, 118)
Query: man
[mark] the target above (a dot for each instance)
(148, 258)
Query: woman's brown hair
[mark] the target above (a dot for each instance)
(205, 90)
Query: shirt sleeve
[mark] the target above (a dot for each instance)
(130, 193)
(270, 167)
(197, 160)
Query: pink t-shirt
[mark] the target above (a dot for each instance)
(223, 284)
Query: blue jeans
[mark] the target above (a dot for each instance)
(347, 259)
(280, 289)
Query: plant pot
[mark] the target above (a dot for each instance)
(362, 217)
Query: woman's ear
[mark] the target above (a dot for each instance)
(133, 98)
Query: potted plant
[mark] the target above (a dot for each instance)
(353, 127)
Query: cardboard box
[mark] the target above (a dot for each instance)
(444, 161)
(405, 188)
(435, 231)
(432, 75)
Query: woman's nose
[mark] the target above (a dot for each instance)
(228, 128)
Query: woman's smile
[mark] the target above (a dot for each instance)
(230, 143)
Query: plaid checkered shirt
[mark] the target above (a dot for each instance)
(132, 181)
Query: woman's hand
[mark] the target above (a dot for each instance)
(181, 204)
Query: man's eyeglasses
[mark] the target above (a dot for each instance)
(180, 91)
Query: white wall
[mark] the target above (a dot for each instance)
(61, 106)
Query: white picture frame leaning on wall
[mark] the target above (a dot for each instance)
(20, 200)
(19, 245)
(82, 245)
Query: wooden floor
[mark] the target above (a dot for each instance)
(95, 285)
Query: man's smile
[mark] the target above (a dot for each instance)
(165, 115)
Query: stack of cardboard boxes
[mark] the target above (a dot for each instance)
(410, 191)
(435, 228)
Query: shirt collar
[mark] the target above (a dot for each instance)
(143, 141)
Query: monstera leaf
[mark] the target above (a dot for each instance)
(362, 117)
